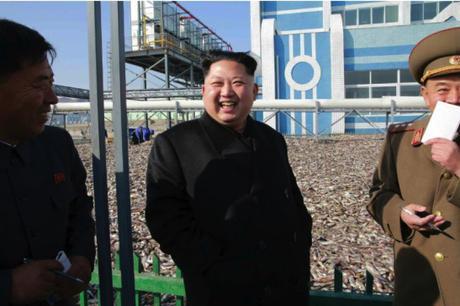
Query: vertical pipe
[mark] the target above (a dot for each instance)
(145, 82)
(167, 70)
(392, 110)
(168, 84)
(121, 154)
(315, 120)
(98, 147)
(192, 81)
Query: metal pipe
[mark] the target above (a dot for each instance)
(377, 104)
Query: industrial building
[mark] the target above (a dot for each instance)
(340, 49)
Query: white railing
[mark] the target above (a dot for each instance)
(390, 104)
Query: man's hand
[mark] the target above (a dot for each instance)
(33, 281)
(81, 268)
(446, 153)
(419, 223)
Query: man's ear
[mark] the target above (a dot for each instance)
(255, 90)
(202, 89)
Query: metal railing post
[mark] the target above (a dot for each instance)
(121, 154)
(99, 154)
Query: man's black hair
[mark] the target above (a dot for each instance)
(243, 58)
(21, 46)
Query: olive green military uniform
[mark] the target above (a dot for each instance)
(427, 265)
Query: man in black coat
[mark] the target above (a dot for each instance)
(44, 207)
(223, 201)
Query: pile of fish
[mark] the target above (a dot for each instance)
(333, 174)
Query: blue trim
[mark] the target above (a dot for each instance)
(325, 120)
(284, 127)
(297, 94)
(274, 6)
(373, 51)
(362, 131)
(307, 43)
(296, 45)
(259, 116)
(282, 50)
(376, 66)
(302, 73)
(378, 119)
(344, 3)
(299, 21)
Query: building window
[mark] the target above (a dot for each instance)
(406, 76)
(378, 92)
(379, 83)
(350, 17)
(365, 16)
(377, 15)
(357, 77)
(391, 13)
(410, 90)
(368, 16)
(416, 12)
(384, 76)
(427, 10)
(355, 93)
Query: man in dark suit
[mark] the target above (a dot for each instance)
(223, 201)
(44, 207)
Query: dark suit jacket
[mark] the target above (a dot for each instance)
(227, 208)
(44, 205)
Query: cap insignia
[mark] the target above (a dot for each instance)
(454, 60)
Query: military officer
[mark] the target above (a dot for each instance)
(415, 192)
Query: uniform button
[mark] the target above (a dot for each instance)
(437, 213)
(286, 193)
(267, 291)
(33, 234)
(447, 175)
(439, 256)
(262, 245)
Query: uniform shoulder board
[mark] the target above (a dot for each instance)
(400, 128)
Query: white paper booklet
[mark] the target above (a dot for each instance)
(443, 123)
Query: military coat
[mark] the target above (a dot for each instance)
(226, 206)
(427, 264)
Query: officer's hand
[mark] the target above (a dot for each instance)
(81, 268)
(416, 222)
(33, 281)
(446, 153)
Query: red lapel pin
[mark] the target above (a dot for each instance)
(59, 178)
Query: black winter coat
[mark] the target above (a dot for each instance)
(226, 206)
(44, 206)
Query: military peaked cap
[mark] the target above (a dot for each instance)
(435, 55)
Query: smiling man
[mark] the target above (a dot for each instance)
(223, 201)
(44, 208)
(415, 193)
